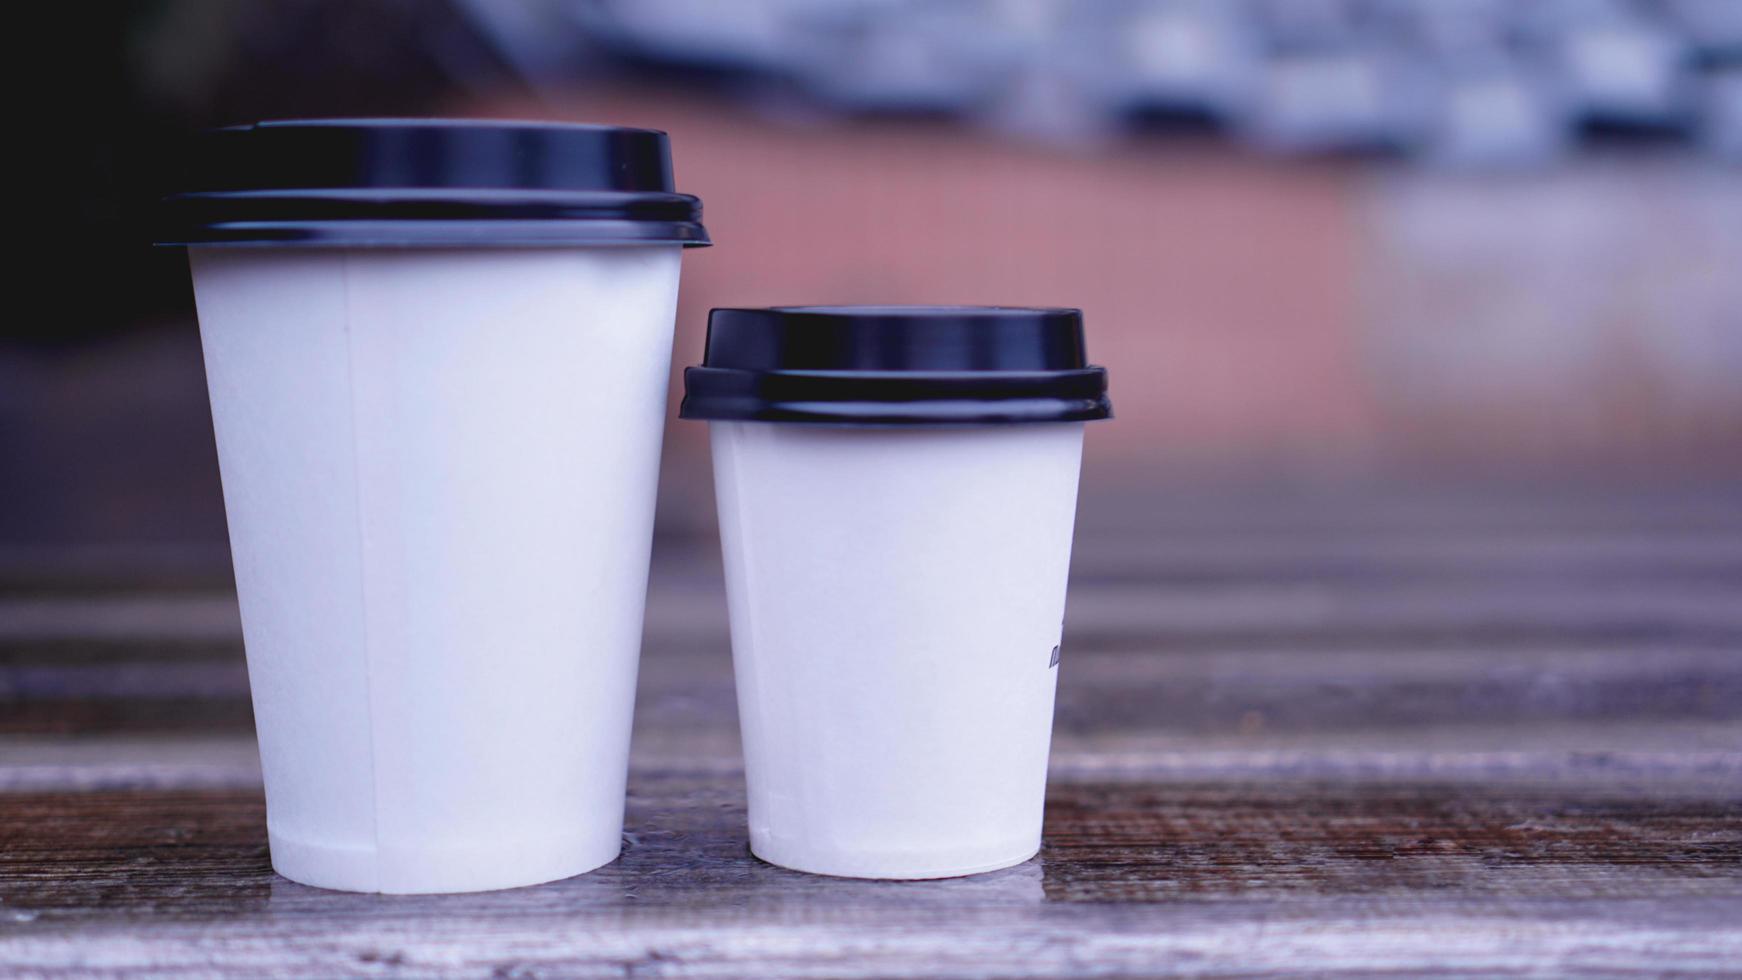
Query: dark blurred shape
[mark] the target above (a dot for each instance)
(150, 73)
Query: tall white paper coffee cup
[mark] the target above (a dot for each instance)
(439, 467)
(896, 558)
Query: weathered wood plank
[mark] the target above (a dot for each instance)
(48, 763)
(1442, 505)
(1134, 879)
(1650, 559)
(1657, 761)
(1376, 689)
(1124, 613)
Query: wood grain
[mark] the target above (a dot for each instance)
(1206, 877)
(1390, 733)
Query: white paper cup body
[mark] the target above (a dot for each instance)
(439, 470)
(897, 597)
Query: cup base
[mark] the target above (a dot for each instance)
(885, 869)
(513, 863)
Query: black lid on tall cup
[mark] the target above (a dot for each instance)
(429, 182)
(896, 365)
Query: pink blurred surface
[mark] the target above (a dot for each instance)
(1258, 315)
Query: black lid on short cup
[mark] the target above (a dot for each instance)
(896, 365)
(429, 182)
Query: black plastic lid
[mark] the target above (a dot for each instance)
(896, 365)
(423, 182)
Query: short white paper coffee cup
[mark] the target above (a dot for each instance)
(439, 458)
(896, 561)
(896, 597)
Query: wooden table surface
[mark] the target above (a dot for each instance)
(1394, 732)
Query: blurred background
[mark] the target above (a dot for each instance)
(1321, 244)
